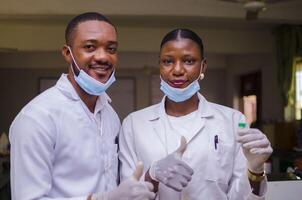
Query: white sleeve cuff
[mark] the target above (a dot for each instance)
(100, 196)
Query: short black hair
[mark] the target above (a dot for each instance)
(74, 22)
(183, 33)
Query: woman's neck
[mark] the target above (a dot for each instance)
(177, 109)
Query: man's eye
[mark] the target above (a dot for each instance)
(89, 47)
(112, 50)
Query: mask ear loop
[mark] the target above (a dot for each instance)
(75, 63)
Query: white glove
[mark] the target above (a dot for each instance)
(171, 170)
(131, 189)
(256, 148)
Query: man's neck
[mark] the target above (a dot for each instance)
(89, 100)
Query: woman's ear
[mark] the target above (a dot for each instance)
(203, 68)
(204, 65)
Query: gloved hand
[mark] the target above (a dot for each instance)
(131, 189)
(171, 170)
(256, 148)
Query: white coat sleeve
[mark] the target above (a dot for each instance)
(32, 154)
(239, 185)
(127, 154)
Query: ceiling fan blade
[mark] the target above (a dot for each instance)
(266, 1)
(251, 15)
(234, 1)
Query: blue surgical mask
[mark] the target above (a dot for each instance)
(179, 94)
(89, 84)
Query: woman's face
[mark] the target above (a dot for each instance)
(180, 62)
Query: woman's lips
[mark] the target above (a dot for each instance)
(177, 83)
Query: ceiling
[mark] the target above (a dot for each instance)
(31, 25)
(212, 13)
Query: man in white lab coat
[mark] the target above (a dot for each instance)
(63, 142)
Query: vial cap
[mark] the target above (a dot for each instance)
(242, 125)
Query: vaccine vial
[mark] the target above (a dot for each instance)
(241, 125)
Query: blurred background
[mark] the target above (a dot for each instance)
(253, 49)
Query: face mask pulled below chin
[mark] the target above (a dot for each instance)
(179, 94)
(89, 84)
(92, 86)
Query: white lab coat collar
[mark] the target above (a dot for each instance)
(159, 114)
(64, 85)
(203, 109)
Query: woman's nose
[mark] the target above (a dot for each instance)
(178, 68)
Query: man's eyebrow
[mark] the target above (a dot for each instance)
(91, 40)
(96, 41)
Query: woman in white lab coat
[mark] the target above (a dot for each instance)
(191, 148)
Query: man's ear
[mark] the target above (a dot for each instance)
(66, 53)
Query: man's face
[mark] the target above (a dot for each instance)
(94, 46)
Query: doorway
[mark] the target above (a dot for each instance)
(250, 98)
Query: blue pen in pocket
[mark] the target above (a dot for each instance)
(215, 141)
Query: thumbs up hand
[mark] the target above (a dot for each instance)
(171, 170)
(182, 147)
(131, 189)
(138, 172)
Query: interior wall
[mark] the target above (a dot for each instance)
(126, 60)
(266, 63)
(37, 53)
(20, 73)
(43, 35)
(233, 65)
(212, 86)
(18, 87)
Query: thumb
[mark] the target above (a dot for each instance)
(182, 147)
(138, 171)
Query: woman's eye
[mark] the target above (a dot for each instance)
(189, 61)
(167, 61)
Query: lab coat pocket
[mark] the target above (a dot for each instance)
(111, 167)
(112, 161)
(109, 157)
(220, 161)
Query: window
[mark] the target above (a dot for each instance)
(250, 108)
(298, 84)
